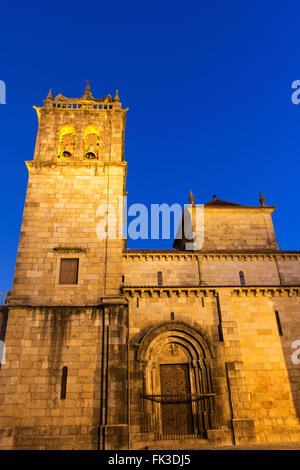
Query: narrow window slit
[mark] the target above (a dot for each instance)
(278, 323)
(242, 278)
(64, 376)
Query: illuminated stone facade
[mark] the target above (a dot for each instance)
(110, 348)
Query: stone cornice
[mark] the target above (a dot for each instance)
(173, 255)
(166, 291)
(270, 291)
(205, 291)
(35, 164)
(260, 209)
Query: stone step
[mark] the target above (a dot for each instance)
(171, 444)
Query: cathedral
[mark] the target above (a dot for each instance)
(112, 348)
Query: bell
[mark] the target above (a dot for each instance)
(66, 152)
(90, 153)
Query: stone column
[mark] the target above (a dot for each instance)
(114, 401)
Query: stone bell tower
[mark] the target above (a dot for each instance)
(64, 384)
(77, 173)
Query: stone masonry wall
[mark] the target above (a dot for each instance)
(288, 308)
(236, 228)
(61, 212)
(146, 312)
(251, 354)
(272, 405)
(39, 343)
(183, 270)
(289, 269)
(91, 343)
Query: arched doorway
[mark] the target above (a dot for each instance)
(178, 398)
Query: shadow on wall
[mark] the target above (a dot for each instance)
(287, 315)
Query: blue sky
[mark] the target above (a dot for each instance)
(208, 84)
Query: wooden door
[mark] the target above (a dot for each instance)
(176, 405)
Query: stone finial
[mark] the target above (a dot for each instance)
(87, 92)
(214, 196)
(116, 98)
(191, 198)
(262, 200)
(49, 96)
(47, 101)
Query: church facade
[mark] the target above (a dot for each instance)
(114, 348)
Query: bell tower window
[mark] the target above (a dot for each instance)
(66, 144)
(91, 143)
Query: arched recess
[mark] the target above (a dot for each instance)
(66, 143)
(91, 142)
(178, 396)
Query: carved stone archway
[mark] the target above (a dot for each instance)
(178, 397)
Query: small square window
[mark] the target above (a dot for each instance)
(68, 271)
